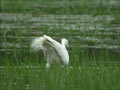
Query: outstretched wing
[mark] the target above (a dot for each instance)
(50, 52)
(46, 45)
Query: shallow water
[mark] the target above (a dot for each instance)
(93, 31)
(97, 29)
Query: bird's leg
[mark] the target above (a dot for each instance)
(48, 65)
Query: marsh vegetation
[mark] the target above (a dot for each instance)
(92, 28)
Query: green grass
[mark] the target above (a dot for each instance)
(89, 68)
(61, 6)
(82, 77)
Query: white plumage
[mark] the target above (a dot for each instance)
(52, 49)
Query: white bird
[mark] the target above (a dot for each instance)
(52, 49)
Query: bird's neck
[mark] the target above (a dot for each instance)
(63, 44)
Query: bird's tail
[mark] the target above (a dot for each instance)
(37, 44)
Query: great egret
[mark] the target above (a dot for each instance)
(52, 49)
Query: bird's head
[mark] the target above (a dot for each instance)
(65, 42)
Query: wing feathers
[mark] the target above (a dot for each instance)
(42, 43)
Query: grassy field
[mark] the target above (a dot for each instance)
(92, 28)
(98, 77)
